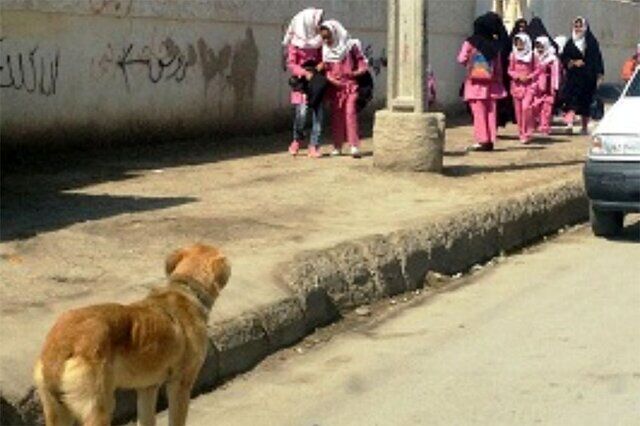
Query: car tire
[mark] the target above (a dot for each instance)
(605, 223)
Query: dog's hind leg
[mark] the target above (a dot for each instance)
(55, 412)
(89, 391)
(147, 398)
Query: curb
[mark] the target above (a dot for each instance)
(328, 281)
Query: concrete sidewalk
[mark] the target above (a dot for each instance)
(306, 237)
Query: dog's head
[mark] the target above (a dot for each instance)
(202, 263)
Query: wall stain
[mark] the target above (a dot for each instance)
(212, 64)
(244, 66)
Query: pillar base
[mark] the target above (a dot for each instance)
(407, 141)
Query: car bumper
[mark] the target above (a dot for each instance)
(613, 185)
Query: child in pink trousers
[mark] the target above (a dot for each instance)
(547, 82)
(304, 48)
(343, 61)
(523, 84)
(483, 84)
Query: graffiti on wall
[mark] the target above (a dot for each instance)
(376, 62)
(168, 61)
(171, 64)
(32, 70)
(112, 7)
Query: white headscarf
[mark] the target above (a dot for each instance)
(549, 53)
(526, 54)
(342, 42)
(561, 41)
(303, 29)
(580, 40)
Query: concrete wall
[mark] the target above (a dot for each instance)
(449, 24)
(100, 70)
(96, 71)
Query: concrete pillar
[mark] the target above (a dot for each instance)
(512, 10)
(405, 136)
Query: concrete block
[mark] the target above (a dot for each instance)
(284, 323)
(319, 309)
(408, 141)
(241, 344)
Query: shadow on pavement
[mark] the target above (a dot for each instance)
(26, 215)
(35, 187)
(467, 170)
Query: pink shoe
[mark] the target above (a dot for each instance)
(294, 148)
(314, 152)
(525, 140)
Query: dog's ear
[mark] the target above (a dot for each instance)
(172, 261)
(221, 270)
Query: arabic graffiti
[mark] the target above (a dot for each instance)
(172, 65)
(167, 61)
(118, 7)
(33, 70)
(376, 62)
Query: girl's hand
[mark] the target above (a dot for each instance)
(578, 63)
(335, 82)
(320, 67)
(308, 75)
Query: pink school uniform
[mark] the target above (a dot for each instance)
(304, 47)
(482, 96)
(547, 83)
(296, 58)
(341, 61)
(521, 65)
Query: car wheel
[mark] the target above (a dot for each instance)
(605, 223)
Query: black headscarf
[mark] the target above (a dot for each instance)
(536, 29)
(483, 37)
(516, 28)
(498, 28)
(581, 82)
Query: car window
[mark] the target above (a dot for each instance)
(634, 86)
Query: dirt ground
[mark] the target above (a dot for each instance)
(81, 230)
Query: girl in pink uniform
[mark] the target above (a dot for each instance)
(304, 49)
(483, 85)
(521, 70)
(343, 61)
(547, 82)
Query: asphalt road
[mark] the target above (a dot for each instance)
(550, 336)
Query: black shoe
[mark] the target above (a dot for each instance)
(481, 147)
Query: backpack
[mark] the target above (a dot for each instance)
(479, 68)
(365, 87)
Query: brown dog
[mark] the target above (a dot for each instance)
(90, 352)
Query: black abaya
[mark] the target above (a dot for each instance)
(581, 82)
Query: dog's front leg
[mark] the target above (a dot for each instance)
(179, 396)
(147, 398)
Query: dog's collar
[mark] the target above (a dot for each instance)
(193, 287)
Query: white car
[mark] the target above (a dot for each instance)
(612, 170)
